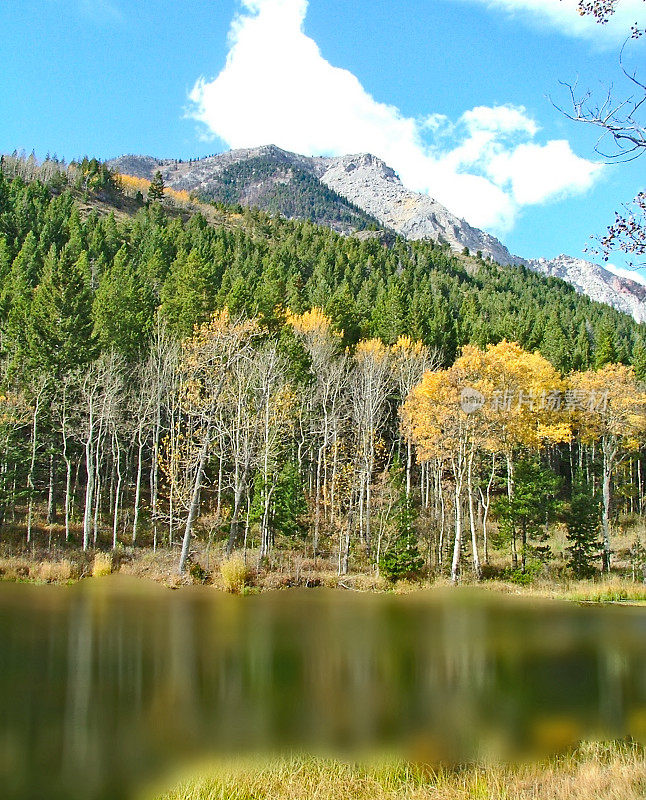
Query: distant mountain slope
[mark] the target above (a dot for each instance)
(266, 177)
(355, 192)
(372, 185)
(598, 283)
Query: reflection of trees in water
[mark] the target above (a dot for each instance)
(103, 686)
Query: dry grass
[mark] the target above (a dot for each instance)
(15, 569)
(594, 772)
(102, 565)
(55, 571)
(613, 590)
(234, 573)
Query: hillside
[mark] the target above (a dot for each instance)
(358, 191)
(265, 178)
(187, 264)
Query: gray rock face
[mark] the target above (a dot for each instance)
(371, 185)
(598, 283)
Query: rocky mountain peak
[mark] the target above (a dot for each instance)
(598, 283)
(371, 184)
(366, 163)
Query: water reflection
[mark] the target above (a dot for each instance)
(108, 681)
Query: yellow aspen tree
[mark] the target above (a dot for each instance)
(275, 402)
(433, 417)
(207, 359)
(519, 397)
(523, 403)
(325, 405)
(371, 382)
(409, 361)
(609, 406)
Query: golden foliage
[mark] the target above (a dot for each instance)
(313, 321)
(608, 403)
(405, 345)
(131, 185)
(371, 350)
(14, 409)
(515, 386)
(432, 416)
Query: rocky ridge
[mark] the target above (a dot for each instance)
(372, 185)
(369, 184)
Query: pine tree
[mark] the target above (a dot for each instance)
(582, 519)
(16, 299)
(532, 506)
(582, 356)
(555, 346)
(123, 310)
(5, 270)
(289, 504)
(156, 188)
(402, 560)
(185, 295)
(61, 326)
(605, 351)
(639, 360)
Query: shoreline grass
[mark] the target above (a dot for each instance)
(595, 771)
(233, 575)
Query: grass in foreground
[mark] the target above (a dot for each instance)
(611, 591)
(594, 772)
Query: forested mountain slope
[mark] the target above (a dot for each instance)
(143, 261)
(266, 178)
(357, 191)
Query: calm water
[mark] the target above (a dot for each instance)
(105, 683)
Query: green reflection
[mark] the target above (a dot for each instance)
(104, 683)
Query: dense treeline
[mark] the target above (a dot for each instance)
(276, 421)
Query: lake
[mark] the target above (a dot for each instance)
(112, 681)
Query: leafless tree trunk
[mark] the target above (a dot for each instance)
(40, 389)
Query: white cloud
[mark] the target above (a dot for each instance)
(276, 88)
(538, 173)
(501, 119)
(636, 275)
(564, 17)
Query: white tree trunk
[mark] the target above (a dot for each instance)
(472, 521)
(194, 504)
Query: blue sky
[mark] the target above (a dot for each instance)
(452, 93)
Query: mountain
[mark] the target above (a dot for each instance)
(266, 177)
(360, 192)
(598, 283)
(372, 185)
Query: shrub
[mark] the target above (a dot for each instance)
(198, 573)
(55, 571)
(533, 570)
(102, 565)
(402, 560)
(234, 572)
